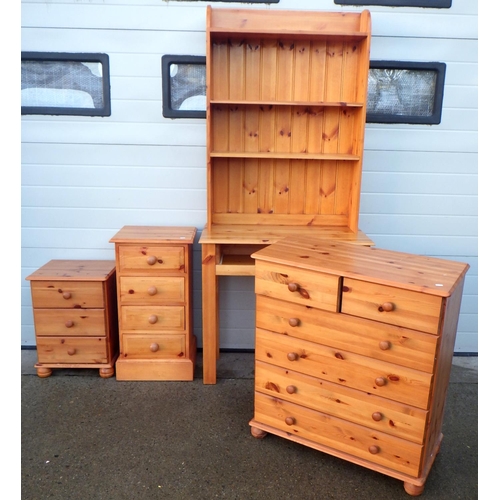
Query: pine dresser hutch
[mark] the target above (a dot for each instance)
(286, 111)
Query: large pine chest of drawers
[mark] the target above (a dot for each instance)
(353, 352)
(154, 280)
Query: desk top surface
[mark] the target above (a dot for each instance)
(265, 235)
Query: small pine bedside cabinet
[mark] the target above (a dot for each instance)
(353, 352)
(75, 313)
(154, 282)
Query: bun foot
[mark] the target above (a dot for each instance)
(413, 489)
(106, 372)
(258, 433)
(44, 372)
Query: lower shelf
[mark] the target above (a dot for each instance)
(235, 265)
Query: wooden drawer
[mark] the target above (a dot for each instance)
(389, 451)
(72, 350)
(391, 305)
(140, 258)
(298, 286)
(380, 414)
(153, 318)
(67, 294)
(70, 322)
(376, 340)
(152, 290)
(153, 346)
(397, 383)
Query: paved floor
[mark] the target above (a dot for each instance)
(88, 438)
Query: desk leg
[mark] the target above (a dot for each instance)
(210, 312)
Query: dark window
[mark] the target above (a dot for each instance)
(405, 92)
(398, 92)
(55, 83)
(436, 4)
(184, 86)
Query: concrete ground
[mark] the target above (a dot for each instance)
(88, 438)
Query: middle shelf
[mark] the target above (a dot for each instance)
(285, 129)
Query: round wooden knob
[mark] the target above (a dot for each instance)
(377, 416)
(386, 307)
(151, 260)
(291, 389)
(66, 295)
(289, 421)
(293, 322)
(153, 319)
(384, 345)
(380, 381)
(374, 449)
(72, 351)
(292, 356)
(293, 287)
(69, 323)
(152, 290)
(154, 347)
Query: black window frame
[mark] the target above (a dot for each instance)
(103, 59)
(433, 119)
(430, 4)
(166, 61)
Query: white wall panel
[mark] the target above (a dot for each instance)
(100, 131)
(83, 178)
(114, 155)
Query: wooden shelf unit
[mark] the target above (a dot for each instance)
(286, 112)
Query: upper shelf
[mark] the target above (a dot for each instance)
(279, 23)
(336, 104)
(217, 34)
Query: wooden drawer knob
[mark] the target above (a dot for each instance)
(380, 381)
(72, 351)
(291, 389)
(66, 295)
(295, 287)
(289, 421)
(377, 416)
(69, 323)
(152, 260)
(293, 322)
(386, 307)
(154, 347)
(374, 449)
(153, 319)
(384, 345)
(152, 290)
(292, 356)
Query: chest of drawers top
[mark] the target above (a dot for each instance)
(74, 270)
(155, 234)
(427, 275)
